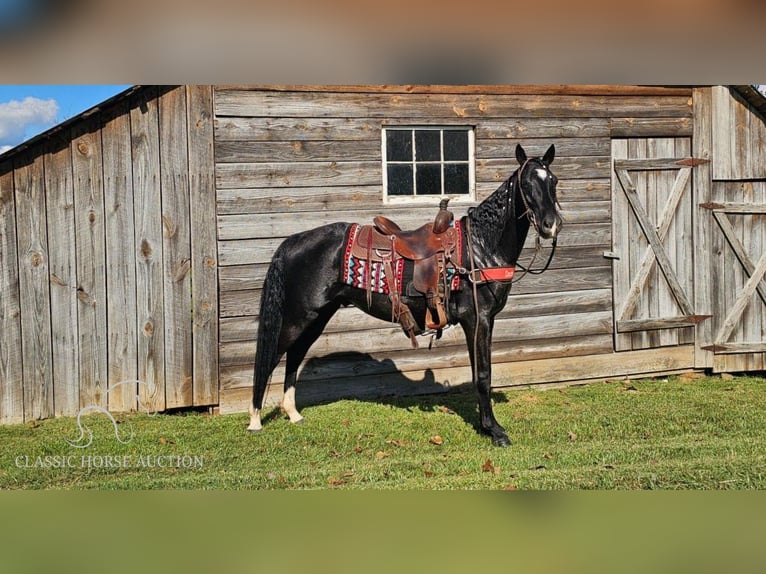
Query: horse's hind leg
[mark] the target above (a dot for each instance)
(295, 355)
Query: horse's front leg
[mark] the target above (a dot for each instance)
(479, 339)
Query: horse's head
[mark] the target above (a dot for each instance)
(537, 187)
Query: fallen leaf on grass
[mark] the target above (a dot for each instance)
(437, 440)
(346, 423)
(333, 481)
(334, 454)
(511, 487)
(488, 466)
(572, 436)
(446, 410)
(164, 440)
(547, 455)
(358, 449)
(347, 474)
(380, 455)
(395, 442)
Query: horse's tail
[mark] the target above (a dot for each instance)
(269, 327)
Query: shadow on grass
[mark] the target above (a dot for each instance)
(381, 382)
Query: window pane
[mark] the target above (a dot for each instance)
(429, 179)
(427, 145)
(399, 145)
(455, 145)
(455, 178)
(400, 180)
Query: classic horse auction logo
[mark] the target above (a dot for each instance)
(84, 429)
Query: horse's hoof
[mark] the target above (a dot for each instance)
(300, 421)
(502, 441)
(254, 431)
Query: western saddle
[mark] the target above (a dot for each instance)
(431, 248)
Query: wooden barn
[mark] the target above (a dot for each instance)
(134, 238)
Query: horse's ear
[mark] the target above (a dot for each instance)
(521, 155)
(549, 155)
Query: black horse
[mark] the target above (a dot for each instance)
(302, 289)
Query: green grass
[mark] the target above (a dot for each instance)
(675, 433)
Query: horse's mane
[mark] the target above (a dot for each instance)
(490, 217)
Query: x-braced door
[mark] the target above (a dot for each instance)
(652, 238)
(737, 275)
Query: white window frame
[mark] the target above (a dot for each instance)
(469, 197)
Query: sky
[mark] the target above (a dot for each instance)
(26, 111)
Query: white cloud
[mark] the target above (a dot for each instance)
(16, 116)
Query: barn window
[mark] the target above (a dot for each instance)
(427, 161)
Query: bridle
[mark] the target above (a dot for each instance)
(533, 222)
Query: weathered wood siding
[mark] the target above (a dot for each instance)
(108, 261)
(737, 234)
(288, 161)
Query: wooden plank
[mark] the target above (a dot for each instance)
(87, 173)
(233, 102)
(647, 164)
(59, 199)
(620, 246)
(723, 151)
(296, 174)
(735, 208)
(203, 245)
(514, 89)
(176, 248)
(232, 129)
(297, 150)
(515, 127)
(633, 325)
(311, 199)
(576, 369)
(121, 258)
(702, 224)
(650, 127)
(11, 370)
(739, 348)
(586, 167)
(34, 288)
(536, 147)
(145, 147)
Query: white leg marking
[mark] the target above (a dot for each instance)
(288, 405)
(255, 419)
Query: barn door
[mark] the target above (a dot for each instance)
(737, 275)
(653, 251)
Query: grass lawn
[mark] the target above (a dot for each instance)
(676, 433)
